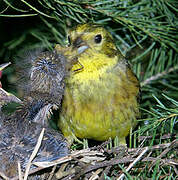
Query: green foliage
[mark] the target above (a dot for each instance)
(144, 31)
(161, 119)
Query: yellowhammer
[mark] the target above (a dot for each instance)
(101, 95)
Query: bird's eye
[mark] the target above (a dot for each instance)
(98, 38)
(69, 40)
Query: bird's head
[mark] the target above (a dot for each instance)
(41, 75)
(87, 42)
(86, 36)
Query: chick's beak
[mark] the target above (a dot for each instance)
(2, 66)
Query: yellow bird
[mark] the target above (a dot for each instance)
(101, 95)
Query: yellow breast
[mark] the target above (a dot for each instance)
(100, 99)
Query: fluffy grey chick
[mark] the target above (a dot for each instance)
(44, 76)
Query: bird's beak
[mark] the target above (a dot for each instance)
(82, 48)
(2, 66)
(79, 45)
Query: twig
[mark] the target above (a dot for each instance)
(52, 173)
(133, 163)
(60, 173)
(4, 176)
(159, 157)
(30, 172)
(35, 151)
(95, 174)
(157, 76)
(105, 172)
(175, 169)
(166, 136)
(84, 152)
(114, 161)
(4, 10)
(133, 150)
(19, 171)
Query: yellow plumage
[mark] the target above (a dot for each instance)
(100, 99)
